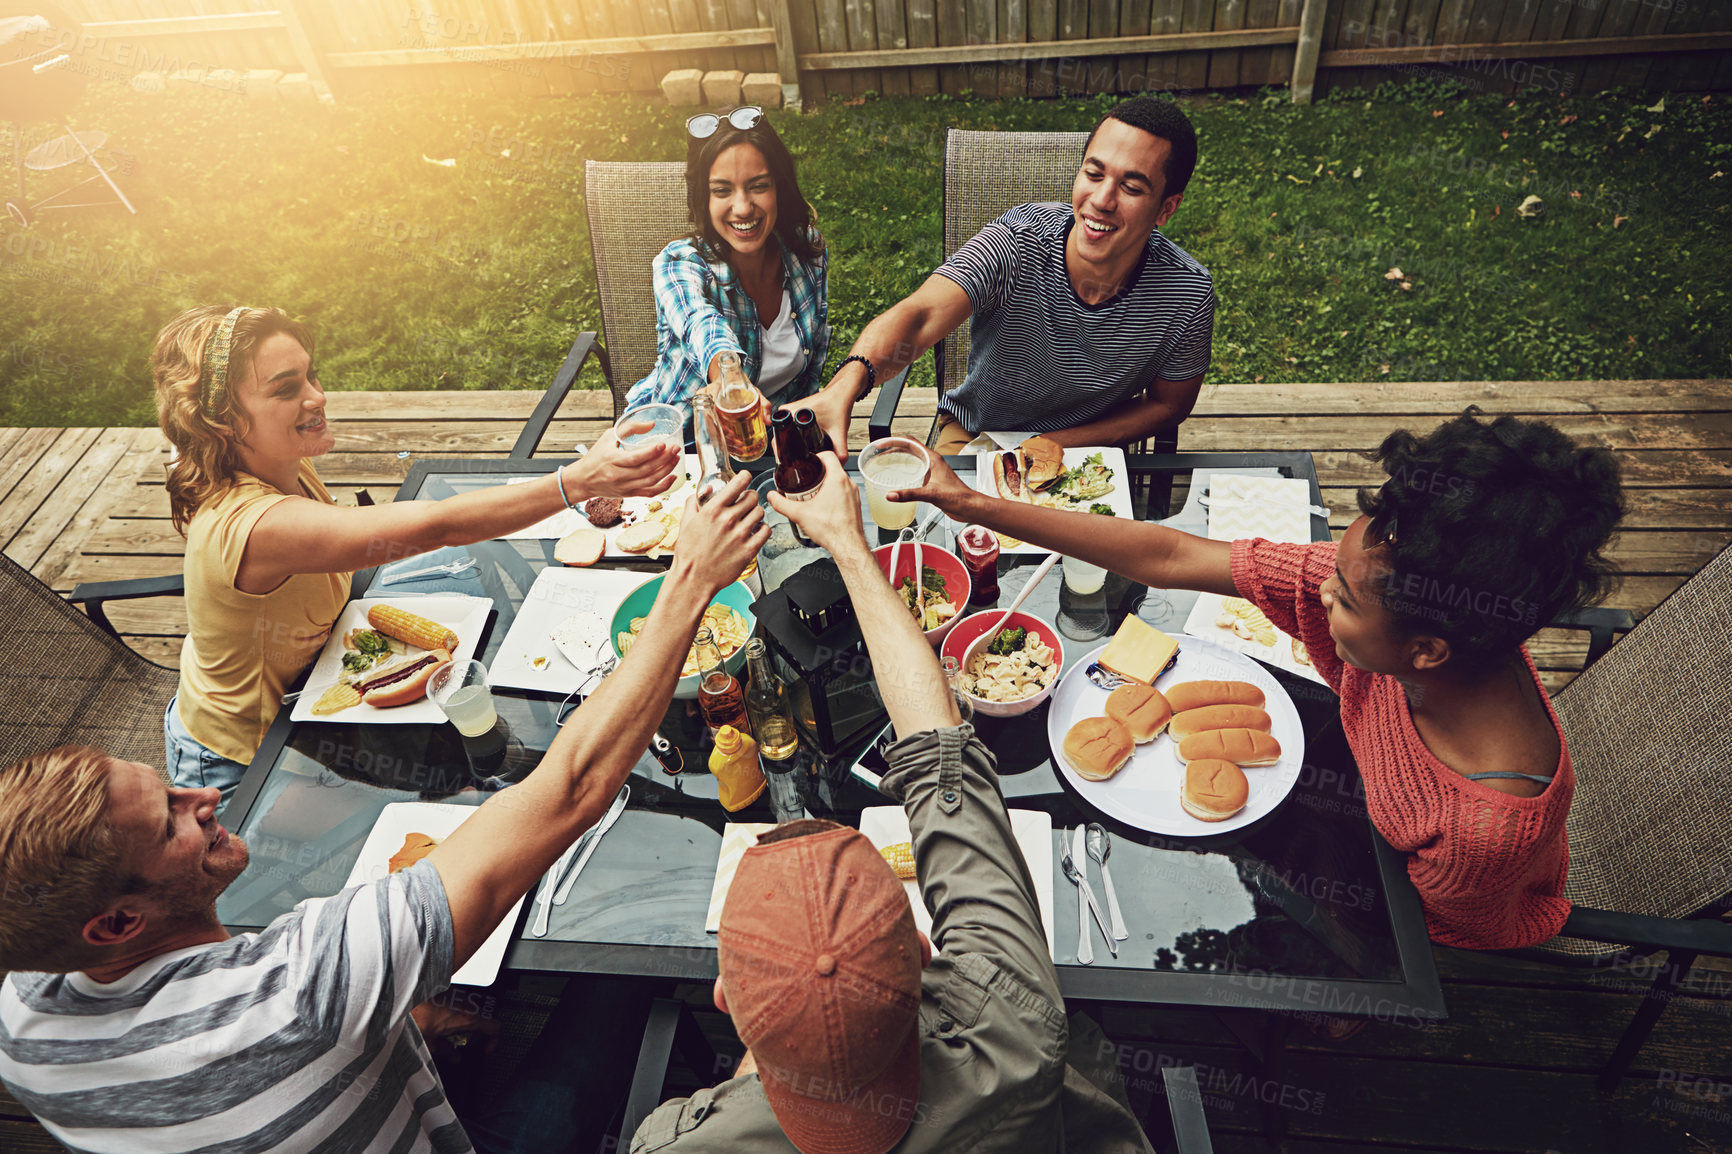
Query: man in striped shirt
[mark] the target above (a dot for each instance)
(1087, 324)
(132, 1023)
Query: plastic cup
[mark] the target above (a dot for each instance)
(459, 689)
(887, 465)
(667, 426)
(1082, 578)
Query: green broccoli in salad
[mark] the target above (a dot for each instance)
(1008, 640)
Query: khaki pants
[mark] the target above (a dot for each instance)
(948, 436)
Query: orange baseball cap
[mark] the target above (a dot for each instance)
(821, 964)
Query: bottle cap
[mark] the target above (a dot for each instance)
(728, 739)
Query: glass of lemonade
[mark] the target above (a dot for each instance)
(1082, 578)
(667, 426)
(459, 689)
(889, 464)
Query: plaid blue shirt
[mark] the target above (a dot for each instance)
(702, 310)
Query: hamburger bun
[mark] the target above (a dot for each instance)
(1191, 721)
(1199, 694)
(580, 547)
(1043, 462)
(643, 536)
(1097, 747)
(1213, 790)
(1242, 747)
(1140, 709)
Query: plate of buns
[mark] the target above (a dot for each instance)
(1197, 740)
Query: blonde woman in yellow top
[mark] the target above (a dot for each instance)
(268, 553)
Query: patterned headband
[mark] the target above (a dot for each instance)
(213, 377)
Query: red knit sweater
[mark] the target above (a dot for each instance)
(1489, 867)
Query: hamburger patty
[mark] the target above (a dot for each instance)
(602, 511)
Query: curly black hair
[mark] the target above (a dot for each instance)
(1166, 120)
(1492, 529)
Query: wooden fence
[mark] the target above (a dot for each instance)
(842, 48)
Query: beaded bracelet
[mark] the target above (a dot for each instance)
(871, 373)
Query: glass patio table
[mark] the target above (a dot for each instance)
(1306, 910)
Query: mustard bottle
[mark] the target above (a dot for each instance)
(734, 761)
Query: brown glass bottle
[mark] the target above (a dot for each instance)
(817, 440)
(720, 696)
(798, 470)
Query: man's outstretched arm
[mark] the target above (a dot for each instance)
(499, 853)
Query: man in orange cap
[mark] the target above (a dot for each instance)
(860, 1040)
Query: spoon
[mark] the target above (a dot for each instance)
(449, 568)
(975, 646)
(1100, 847)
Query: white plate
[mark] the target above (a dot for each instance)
(560, 593)
(1119, 496)
(888, 824)
(1145, 793)
(466, 616)
(396, 822)
(565, 521)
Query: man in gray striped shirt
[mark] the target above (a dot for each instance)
(134, 1023)
(1086, 324)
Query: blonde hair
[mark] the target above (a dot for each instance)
(60, 858)
(207, 444)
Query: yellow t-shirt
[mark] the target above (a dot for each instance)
(243, 649)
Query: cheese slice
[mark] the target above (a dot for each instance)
(1139, 651)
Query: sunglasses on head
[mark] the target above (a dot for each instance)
(705, 124)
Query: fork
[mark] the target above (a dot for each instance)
(448, 568)
(594, 673)
(1075, 874)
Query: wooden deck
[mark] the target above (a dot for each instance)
(1512, 1069)
(89, 504)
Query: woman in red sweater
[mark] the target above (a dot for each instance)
(1485, 532)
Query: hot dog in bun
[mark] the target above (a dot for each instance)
(403, 681)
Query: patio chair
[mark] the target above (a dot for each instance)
(68, 679)
(985, 175)
(634, 209)
(1651, 867)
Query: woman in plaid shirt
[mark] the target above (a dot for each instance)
(752, 277)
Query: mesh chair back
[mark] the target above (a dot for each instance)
(63, 681)
(986, 174)
(634, 210)
(1649, 727)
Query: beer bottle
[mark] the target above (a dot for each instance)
(714, 467)
(741, 406)
(720, 697)
(815, 437)
(798, 470)
(767, 702)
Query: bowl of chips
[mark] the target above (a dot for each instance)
(1013, 682)
(729, 619)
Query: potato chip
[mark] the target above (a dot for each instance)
(725, 624)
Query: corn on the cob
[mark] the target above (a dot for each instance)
(407, 627)
(900, 858)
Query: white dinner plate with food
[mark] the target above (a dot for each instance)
(1145, 793)
(403, 819)
(463, 615)
(561, 629)
(1099, 474)
(636, 515)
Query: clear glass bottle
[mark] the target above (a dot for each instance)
(767, 703)
(741, 406)
(719, 694)
(715, 470)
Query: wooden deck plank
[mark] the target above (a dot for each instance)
(21, 456)
(1644, 508)
(36, 486)
(141, 461)
(84, 483)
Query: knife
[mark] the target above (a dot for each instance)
(544, 899)
(1079, 845)
(1085, 950)
(606, 823)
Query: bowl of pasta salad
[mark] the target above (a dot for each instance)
(944, 581)
(1016, 671)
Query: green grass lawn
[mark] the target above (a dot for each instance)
(476, 274)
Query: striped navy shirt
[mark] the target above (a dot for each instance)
(1040, 359)
(294, 1039)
